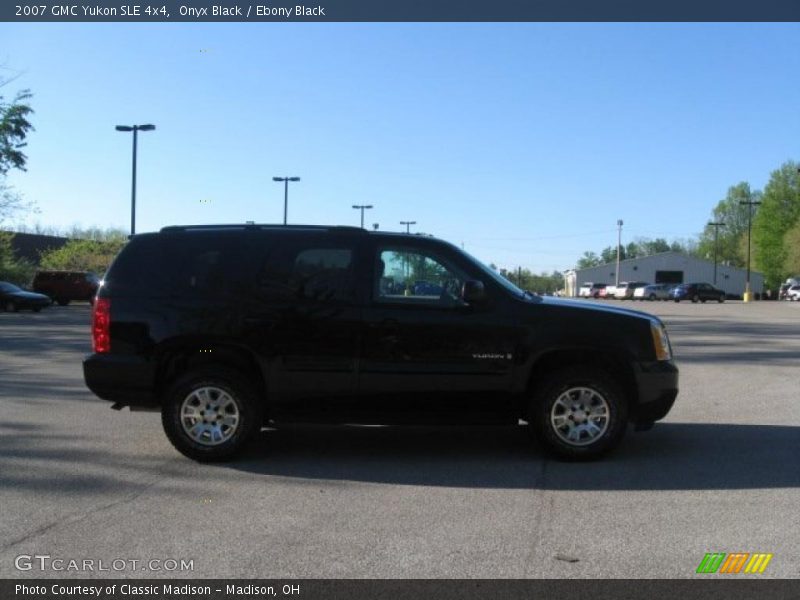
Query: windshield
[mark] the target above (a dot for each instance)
(8, 287)
(496, 276)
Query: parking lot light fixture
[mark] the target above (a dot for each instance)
(716, 225)
(135, 129)
(286, 181)
(362, 208)
(408, 225)
(619, 248)
(748, 294)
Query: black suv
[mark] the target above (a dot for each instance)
(228, 328)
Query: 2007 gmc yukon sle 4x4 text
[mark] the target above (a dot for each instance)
(227, 328)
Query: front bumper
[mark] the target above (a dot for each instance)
(657, 388)
(128, 380)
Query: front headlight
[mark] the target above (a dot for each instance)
(660, 341)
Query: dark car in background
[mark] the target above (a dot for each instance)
(66, 286)
(14, 298)
(697, 292)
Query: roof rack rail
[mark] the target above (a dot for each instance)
(277, 226)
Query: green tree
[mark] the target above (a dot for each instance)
(588, 260)
(733, 214)
(791, 241)
(12, 268)
(778, 213)
(83, 255)
(609, 254)
(544, 283)
(14, 128)
(647, 247)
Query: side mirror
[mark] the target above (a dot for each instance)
(474, 292)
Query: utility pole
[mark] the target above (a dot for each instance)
(619, 248)
(716, 225)
(748, 295)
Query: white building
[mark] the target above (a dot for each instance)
(666, 267)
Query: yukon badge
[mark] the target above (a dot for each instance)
(491, 356)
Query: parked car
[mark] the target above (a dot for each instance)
(610, 291)
(697, 292)
(14, 298)
(793, 293)
(654, 291)
(596, 289)
(592, 290)
(625, 289)
(66, 286)
(226, 328)
(425, 288)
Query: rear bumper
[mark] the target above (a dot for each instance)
(129, 380)
(657, 388)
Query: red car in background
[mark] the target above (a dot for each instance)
(65, 286)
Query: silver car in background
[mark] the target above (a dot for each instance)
(654, 291)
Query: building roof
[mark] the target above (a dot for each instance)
(30, 245)
(682, 255)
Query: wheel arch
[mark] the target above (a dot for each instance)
(611, 362)
(182, 357)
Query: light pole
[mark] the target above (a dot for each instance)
(619, 247)
(362, 207)
(716, 225)
(135, 129)
(286, 181)
(408, 225)
(748, 295)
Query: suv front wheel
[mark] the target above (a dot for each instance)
(211, 414)
(579, 413)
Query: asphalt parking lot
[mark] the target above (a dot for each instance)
(720, 474)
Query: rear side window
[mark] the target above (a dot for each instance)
(315, 272)
(206, 262)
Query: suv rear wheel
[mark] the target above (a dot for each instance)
(211, 414)
(579, 413)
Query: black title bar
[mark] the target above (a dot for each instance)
(708, 588)
(160, 11)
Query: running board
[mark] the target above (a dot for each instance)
(120, 406)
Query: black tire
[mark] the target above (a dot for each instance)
(677, 300)
(37, 309)
(541, 413)
(721, 298)
(237, 387)
(12, 306)
(695, 298)
(62, 301)
(652, 297)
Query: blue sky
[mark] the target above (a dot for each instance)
(524, 142)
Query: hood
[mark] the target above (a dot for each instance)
(29, 295)
(594, 307)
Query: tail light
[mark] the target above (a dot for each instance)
(101, 325)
